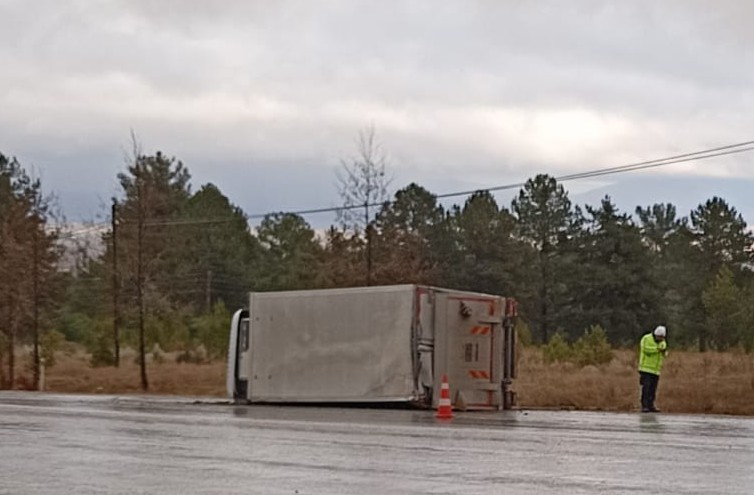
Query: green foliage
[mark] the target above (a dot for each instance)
(77, 327)
(721, 234)
(616, 286)
(291, 255)
(549, 225)
(193, 255)
(720, 237)
(29, 253)
(557, 349)
(211, 331)
(97, 337)
(747, 336)
(342, 261)
(222, 257)
(523, 332)
(404, 238)
(675, 263)
(725, 308)
(51, 342)
(483, 253)
(592, 348)
(169, 328)
(101, 350)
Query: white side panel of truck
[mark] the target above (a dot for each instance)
(343, 345)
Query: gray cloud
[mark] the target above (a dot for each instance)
(463, 94)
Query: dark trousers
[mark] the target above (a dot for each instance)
(648, 382)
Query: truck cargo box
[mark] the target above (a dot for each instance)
(372, 344)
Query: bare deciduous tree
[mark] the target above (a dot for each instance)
(363, 186)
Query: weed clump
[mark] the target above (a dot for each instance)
(591, 349)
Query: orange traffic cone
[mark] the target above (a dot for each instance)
(444, 408)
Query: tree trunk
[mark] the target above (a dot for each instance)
(702, 339)
(10, 333)
(543, 293)
(369, 254)
(2, 370)
(11, 359)
(35, 302)
(140, 292)
(116, 318)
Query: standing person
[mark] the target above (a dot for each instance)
(652, 352)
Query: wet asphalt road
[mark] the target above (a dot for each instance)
(54, 444)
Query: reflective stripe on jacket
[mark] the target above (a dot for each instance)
(651, 355)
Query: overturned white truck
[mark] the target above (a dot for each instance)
(387, 344)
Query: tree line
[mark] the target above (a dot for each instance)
(175, 262)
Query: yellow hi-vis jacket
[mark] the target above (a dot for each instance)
(651, 354)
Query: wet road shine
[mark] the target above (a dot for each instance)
(58, 444)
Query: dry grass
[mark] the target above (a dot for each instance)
(72, 374)
(714, 383)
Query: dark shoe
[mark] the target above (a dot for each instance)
(654, 409)
(645, 410)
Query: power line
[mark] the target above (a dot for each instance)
(660, 162)
(647, 165)
(686, 157)
(730, 149)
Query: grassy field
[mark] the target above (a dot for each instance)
(710, 383)
(73, 374)
(713, 383)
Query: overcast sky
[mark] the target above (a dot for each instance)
(265, 98)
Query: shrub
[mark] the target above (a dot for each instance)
(523, 332)
(557, 350)
(168, 327)
(158, 357)
(50, 343)
(212, 330)
(193, 356)
(99, 343)
(102, 351)
(592, 348)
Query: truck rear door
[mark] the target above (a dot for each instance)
(472, 349)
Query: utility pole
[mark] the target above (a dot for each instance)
(368, 231)
(116, 322)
